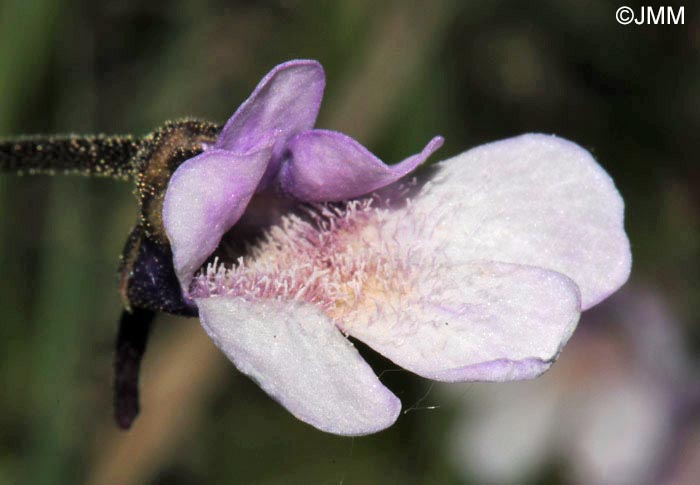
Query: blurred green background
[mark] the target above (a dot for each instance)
(398, 72)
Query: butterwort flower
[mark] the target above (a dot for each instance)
(289, 239)
(616, 409)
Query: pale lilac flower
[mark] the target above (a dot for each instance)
(478, 272)
(607, 413)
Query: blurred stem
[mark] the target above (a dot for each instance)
(26, 32)
(374, 89)
(26, 35)
(179, 378)
(60, 312)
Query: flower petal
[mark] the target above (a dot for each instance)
(206, 196)
(504, 434)
(285, 102)
(482, 321)
(301, 360)
(533, 199)
(619, 430)
(330, 166)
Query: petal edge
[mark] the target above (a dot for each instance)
(205, 197)
(533, 199)
(302, 361)
(285, 102)
(481, 321)
(328, 166)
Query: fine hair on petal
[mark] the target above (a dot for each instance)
(341, 257)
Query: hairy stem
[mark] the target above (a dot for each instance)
(99, 155)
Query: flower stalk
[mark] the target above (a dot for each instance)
(147, 281)
(109, 156)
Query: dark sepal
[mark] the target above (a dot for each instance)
(147, 277)
(148, 283)
(134, 328)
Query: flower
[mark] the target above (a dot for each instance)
(477, 272)
(615, 409)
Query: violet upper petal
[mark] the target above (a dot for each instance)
(286, 101)
(481, 321)
(295, 353)
(330, 166)
(205, 197)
